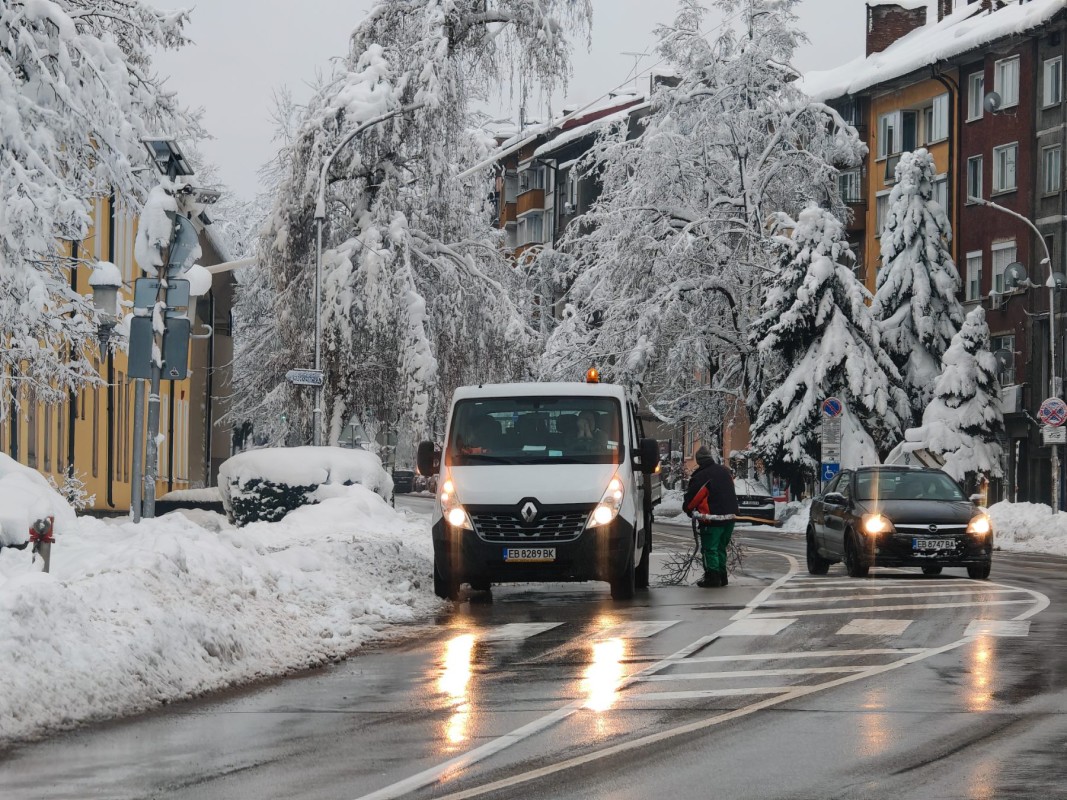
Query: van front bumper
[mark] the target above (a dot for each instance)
(597, 554)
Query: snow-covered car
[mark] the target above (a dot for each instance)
(897, 517)
(755, 503)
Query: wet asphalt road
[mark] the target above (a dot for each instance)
(781, 685)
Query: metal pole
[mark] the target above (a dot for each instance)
(152, 446)
(317, 416)
(136, 487)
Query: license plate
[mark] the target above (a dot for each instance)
(529, 554)
(750, 503)
(933, 544)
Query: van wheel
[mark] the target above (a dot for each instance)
(625, 585)
(855, 564)
(481, 585)
(444, 586)
(932, 570)
(817, 565)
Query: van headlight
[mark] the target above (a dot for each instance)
(451, 509)
(980, 526)
(875, 524)
(610, 504)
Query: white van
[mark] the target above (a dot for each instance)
(542, 482)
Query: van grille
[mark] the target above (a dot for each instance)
(562, 526)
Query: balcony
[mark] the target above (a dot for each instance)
(533, 200)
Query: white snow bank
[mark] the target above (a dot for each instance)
(671, 504)
(303, 466)
(132, 616)
(1028, 528)
(25, 497)
(209, 494)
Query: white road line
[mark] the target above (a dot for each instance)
(645, 697)
(878, 651)
(794, 569)
(637, 629)
(512, 631)
(764, 625)
(962, 585)
(749, 673)
(875, 627)
(814, 612)
(796, 601)
(998, 627)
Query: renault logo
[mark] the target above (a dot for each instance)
(933, 529)
(529, 511)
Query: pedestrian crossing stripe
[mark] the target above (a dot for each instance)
(753, 626)
(875, 627)
(637, 629)
(998, 627)
(514, 631)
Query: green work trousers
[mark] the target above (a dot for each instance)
(713, 541)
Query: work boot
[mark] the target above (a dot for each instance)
(724, 578)
(710, 580)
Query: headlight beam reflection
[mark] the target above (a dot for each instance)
(604, 674)
(454, 684)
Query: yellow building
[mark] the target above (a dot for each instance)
(91, 434)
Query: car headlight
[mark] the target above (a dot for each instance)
(451, 509)
(874, 524)
(608, 507)
(980, 526)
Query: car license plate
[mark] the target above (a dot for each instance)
(933, 544)
(529, 554)
(749, 503)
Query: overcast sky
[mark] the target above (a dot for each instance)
(240, 57)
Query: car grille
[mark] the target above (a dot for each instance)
(924, 530)
(564, 526)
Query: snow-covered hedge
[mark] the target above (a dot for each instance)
(25, 497)
(265, 485)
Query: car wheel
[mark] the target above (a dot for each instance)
(481, 585)
(625, 585)
(979, 572)
(931, 570)
(445, 585)
(855, 564)
(817, 565)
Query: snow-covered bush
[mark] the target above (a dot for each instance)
(26, 497)
(265, 485)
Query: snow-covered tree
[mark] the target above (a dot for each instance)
(671, 263)
(77, 94)
(817, 324)
(915, 301)
(416, 292)
(963, 422)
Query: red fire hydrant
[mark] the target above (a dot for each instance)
(42, 538)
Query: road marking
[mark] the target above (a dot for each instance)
(797, 601)
(695, 694)
(639, 629)
(513, 631)
(868, 609)
(878, 651)
(998, 627)
(749, 673)
(961, 583)
(753, 626)
(875, 627)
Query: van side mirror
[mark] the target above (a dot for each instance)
(649, 452)
(427, 459)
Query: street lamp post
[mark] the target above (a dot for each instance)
(1053, 381)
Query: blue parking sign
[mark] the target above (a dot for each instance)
(829, 470)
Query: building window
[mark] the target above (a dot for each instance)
(888, 134)
(939, 192)
(974, 275)
(47, 437)
(531, 229)
(511, 187)
(1006, 81)
(974, 177)
(1004, 158)
(572, 189)
(531, 179)
(1052, 84)
(975, 96)
(1003, 347)
(937, 119)
(849, 184)
(1052, 163)
(881, 209)
(1003, 254)
(909, 131)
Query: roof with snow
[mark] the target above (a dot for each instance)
(585, 126)
(966, 29)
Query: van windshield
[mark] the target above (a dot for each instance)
(536, 430)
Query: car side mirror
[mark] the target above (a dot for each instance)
(649, 452)
(834, 499)
(427, 459)
(976, 499)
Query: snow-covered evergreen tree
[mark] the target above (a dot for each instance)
(915, 301)
(816, 323)
(963, 422)
(417, 294)
(77, 94)
(671, 263)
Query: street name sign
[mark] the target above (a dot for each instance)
(306, 377)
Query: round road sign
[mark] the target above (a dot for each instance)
(832, 407)
(1053, 412)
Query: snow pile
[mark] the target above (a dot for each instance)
(1028, 528)
(132, 616)
(671, 504)
(25, 497)
(793, 516)
(302, 466)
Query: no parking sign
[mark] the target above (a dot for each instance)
(1053, 412)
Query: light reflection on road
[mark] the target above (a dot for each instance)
(874, 726)
(981, 675)
(600, 683)
(454, 684)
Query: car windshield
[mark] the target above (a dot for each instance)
(900, 485)
(536, 430)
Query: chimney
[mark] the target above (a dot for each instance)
(944, 8)
(887, 22)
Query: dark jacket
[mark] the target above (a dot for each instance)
(722, 500)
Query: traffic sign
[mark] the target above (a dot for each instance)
(829, 471)
(1050, 435)
(1053, 412)
(832, 407)
(306, 377)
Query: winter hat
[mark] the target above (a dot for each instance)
(703, 456)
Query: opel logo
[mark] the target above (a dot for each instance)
(529, 511)
(933, 529)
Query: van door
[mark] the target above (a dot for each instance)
(641, 480)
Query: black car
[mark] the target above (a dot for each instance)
(897, 517)
(403, 481)
(755, 503)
